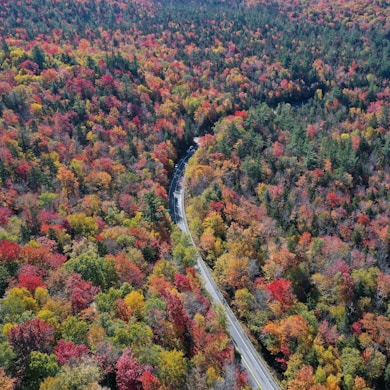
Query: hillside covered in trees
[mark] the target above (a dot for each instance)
(287, 194)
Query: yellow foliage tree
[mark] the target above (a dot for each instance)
(17, 301)
(68, 180)
(98, 181)
(82, 224)
(172, 367)
(136, 302)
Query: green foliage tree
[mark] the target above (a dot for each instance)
(39, 366)
(85, 375)
(99, 270)
(75, 330)
(7, 356)
(154, 209)
(17, 302)
(351, 361)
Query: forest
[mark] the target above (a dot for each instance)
(287, 195)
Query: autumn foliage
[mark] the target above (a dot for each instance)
(287, 194)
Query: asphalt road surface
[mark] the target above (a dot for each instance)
(260, 376)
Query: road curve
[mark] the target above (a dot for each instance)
(260, 377)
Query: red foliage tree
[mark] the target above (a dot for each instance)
(278, 149)
(346, 289)
(383, 285)
(149, 381)
(304, 379)
(35, 256)
(128, 204)
(333, 199)
(30, 278)
(377, 328)
(107, 356)
(182, 282)
(4, 215)
(159, 285)
(329, 334)
(242, 114)
(81, 292)
(128, 271)
(55, 260)
(242, 379)
(280, 290)
(9, 251)
(23, 171)
(33, 335)
(122, 310)
(176, 313)
(129, 371)
(66, 350)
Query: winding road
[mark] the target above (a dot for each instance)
(260, 377)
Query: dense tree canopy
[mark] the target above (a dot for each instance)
(287, 194)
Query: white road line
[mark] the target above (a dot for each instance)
(257, 369)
